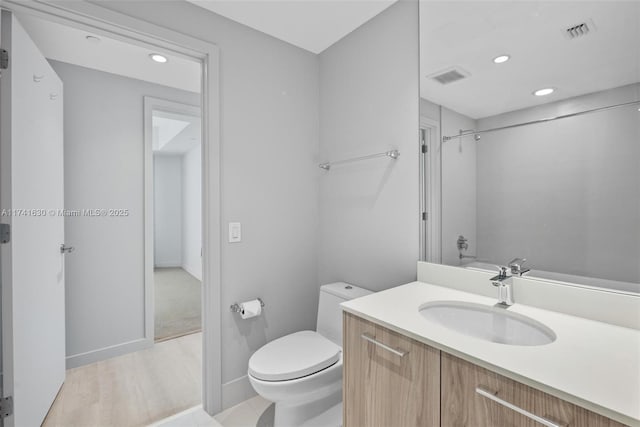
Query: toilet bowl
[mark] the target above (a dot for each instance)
(302, 372)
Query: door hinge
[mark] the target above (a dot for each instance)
(5, 233)
(4, 59)
(425, 148)
(425, 216)
(6, 406)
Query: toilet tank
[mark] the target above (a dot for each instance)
(329, 310)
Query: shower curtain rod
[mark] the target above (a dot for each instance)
(533, 122)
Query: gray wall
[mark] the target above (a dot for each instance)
(177, 205)
(167, 211)
(103, 120)
(269, 133)
(564, 194)
(369, 104)
(429, 110)
(192, 211)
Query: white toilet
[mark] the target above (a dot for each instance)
(302, 372)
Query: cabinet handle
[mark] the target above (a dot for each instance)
(368, 337)
(490, 395)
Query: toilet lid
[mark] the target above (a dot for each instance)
(293, 356)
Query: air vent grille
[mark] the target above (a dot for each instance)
(580, 30)
(449, 76)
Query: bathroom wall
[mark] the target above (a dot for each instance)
(369, 104)
(269, 136)
(177, 199)
(564, 194)
(192, 211)
(103, 156)
(458, 186)
(429, 110)
(167, 211)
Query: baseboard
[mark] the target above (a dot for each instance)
(236, 391)
(193, 271)
(93, 356)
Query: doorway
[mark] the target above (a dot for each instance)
(430, 191)
(105, 189)
(175, 131)
(98, 24)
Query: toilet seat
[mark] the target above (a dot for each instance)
(293, 356)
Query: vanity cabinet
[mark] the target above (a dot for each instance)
(389, 379)
(474, 396)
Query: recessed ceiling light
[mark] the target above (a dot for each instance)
(158, 58)
(93, 39)
(543, 92)
(502, 58)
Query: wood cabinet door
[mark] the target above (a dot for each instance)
(389, 379)
(462, 406)
(475, 397)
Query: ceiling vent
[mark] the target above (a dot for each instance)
(449, 76)
(579, 30)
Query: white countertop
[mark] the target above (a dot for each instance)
(593, 364)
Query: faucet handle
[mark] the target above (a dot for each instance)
(461, 243)
(517, 261)
(516, 266)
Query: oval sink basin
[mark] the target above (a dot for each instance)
(488, 323)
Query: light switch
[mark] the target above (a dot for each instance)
(235, 232)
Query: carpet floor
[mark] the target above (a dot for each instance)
(178, 299)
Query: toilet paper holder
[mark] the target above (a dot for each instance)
(235, 307)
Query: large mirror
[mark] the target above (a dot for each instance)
(530, 114)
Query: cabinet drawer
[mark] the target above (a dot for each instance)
(475, 397)
(389, 379)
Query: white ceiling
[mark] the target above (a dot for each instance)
(70, 45)
(469, 34)
(463, 34)
(313, 25)
(174, 134)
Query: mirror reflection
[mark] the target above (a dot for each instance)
(530, 112)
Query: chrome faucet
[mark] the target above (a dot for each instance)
(503, 281)
(516, 267)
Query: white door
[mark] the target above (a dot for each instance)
(31, 200)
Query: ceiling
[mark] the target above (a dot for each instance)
(67, 44)
(469, 34)
(466, 35)
(313, 25)
(174, 134)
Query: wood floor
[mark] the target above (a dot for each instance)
(132, 390)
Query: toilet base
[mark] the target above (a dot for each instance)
(296, 415)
